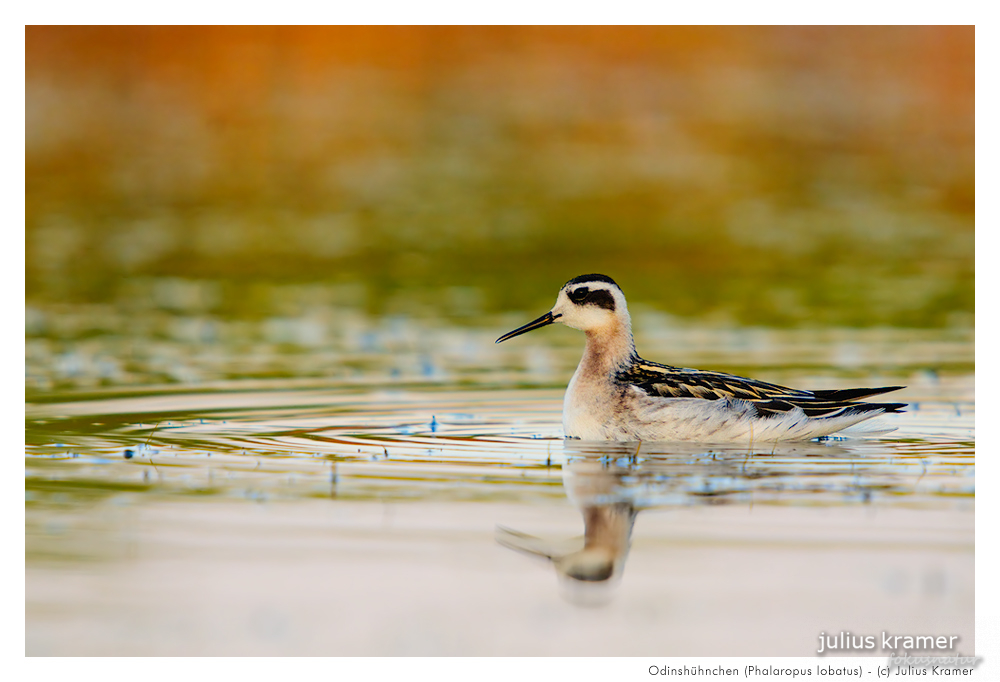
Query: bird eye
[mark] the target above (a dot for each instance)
(577, 295)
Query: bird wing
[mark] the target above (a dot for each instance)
(769, 399)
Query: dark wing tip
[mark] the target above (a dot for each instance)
(853, 393)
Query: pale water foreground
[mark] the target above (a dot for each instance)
(319, 517)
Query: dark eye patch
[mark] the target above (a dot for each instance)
(602, 298)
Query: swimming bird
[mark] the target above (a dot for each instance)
(616, 395)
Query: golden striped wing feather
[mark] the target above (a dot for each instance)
(769, 399)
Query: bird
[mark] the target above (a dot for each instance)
(615, 395)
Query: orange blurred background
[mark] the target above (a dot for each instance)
(785, 176)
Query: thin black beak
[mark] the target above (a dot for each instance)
(543, 321)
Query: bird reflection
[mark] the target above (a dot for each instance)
(610, 484)
(600, 488)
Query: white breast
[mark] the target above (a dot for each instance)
(588, 408)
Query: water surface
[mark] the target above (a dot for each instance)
(378, 516)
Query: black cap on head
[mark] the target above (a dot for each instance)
(591, 278)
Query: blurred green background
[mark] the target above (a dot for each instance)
(749, 176)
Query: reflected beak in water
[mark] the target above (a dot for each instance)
(543, 321)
